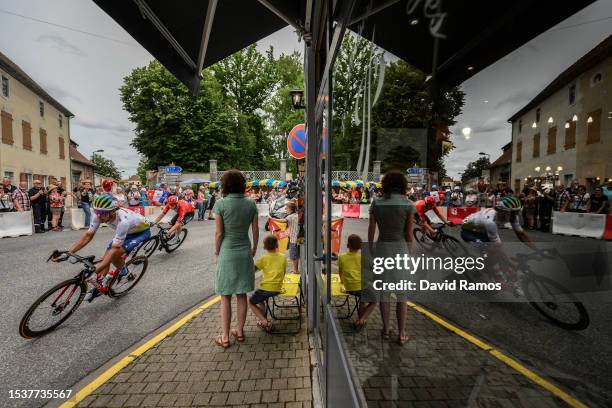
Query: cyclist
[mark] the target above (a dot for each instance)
(424, 205)
(131, 229)
(184, 213)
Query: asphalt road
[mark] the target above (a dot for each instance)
(581, 360)
(98, 331)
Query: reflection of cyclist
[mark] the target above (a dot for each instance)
(422, 206)
(184, 213)
(131, 229)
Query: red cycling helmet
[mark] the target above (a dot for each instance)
(172, 200)
(429, 200)
(107, 185)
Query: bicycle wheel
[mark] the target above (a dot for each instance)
(120, 285)
(175, 242)
(454, 246)
(423, 239)
(52, 308)
(556, 303)
(148, 247)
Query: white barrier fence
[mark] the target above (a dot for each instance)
(14, 224)
(582, 225)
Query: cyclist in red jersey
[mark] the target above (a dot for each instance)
(184, 213)
(422, 206)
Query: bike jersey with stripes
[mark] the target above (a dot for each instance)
(126, 223)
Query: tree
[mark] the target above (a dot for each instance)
(105, 167)
(141, 171)
(474, 169)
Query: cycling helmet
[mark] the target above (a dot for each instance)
(107, 185)
(429, 200)
(509, 203)
(172, 200)
(104, 202)
(434, 186)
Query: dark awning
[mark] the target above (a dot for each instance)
(188, 35)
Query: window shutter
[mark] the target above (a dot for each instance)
(570, 136)
(38, 177)
(43, 141)
(7, 127)
(27, 135)
(519, 152)
(23, 177)
(63, 179)
(594, 128)
(552, 140)
(61, 148)
(536, 145)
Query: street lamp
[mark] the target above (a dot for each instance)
(297, 98)
(466, 132)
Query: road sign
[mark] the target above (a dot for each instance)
(173, 169)
(296, 141)
(415, 170)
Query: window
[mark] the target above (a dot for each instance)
(60, 120)
(5, 86)
(536, 145)
(45, 181)
(552, 140)
(595, 79)
(572, 94)
(29, 179)
(538, 115)
(41, 108)
(62, 154)
(519, 151)
(570, 135)
(594, 127)
(520, 125)
(43, 141)
(27, 135)
(7, 127)
(10, 175)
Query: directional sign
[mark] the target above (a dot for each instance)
(173, 169)
(296, 141)
(415, 170)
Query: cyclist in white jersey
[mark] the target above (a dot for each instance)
(131, 229)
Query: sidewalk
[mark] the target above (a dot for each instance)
(188, 369)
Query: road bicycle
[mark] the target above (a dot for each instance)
(159, 241)
(57, 304)
(440, 240)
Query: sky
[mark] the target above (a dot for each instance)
(80, 56)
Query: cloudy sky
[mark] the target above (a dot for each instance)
(80, 56)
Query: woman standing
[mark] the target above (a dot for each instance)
(235, 274)
(201, 203)
(6, 201)
(393, 214)
(56, 203)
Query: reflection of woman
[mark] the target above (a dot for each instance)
(235, 273)
(393, 215)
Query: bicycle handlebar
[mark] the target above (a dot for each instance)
(87, 260)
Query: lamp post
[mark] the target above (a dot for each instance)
(297, 98)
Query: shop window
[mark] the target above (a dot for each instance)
(594, 127)
(7, 127)
(552, 140)
(536, 145)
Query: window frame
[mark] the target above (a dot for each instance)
(41, 109)
(6, 86)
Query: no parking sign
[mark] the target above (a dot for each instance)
(296, 141)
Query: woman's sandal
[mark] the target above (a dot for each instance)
(239, 339)
(267, 326)
(403, 339)
(385, 336)
(219, 342)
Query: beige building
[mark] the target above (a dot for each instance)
(82, 168)
(565, 132)
(35, 130)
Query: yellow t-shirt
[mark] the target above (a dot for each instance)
(349, 267)
(273, 265)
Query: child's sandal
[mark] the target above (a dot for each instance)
(219, 342)
(267, 326)
(239, 339)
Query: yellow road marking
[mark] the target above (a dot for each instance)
(125, 361)
(547, 385)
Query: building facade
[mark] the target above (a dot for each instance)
(35, 130)
(501, 168)
(565, 132)
(82, 168)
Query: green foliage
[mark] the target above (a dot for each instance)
(141, 171)
(105, 167)
(475, 168)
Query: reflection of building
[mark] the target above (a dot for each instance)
(82, 167)
(35, 128)
(565, 132)
(501, 167)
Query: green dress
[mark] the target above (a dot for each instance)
(235, 272)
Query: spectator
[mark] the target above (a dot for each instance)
(21, 199)
(86, 195)
(38, 200)
(120, 197)
(471, 199)
(273, 265)
(562, 199)
(607, 191)
(144, 201)
(545, 206)
(580, 200)
(598, 202)
(133, 197)
(99, 191)
(235, 274)
(482, 187)
(56, 203)
(393, 215)
(529, 208)
(201, 203)
(62, 191)
(457, 197)
(9, 188)
(212, 198)
(349, 269)
(293, 228)
(6, 200)
(160, 194)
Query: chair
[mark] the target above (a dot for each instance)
(338, 291)
(290, 297)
